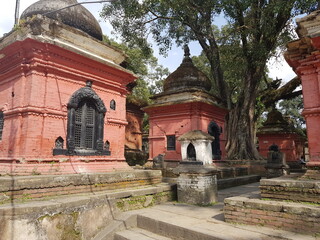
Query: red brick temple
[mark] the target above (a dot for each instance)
(277, 130)
(184, 105)
(303, 56)
(62, 95)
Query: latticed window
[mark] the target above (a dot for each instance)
(1, 124)
(86, 113)
(85, 117)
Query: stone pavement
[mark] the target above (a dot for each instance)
(181, 221)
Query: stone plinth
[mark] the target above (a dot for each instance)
(276, 164)
(277, 169)
(197, 184)
(291, 188)
(288, 216)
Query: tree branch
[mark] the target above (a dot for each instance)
(270, 96)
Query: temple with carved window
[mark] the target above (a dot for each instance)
(62, 95)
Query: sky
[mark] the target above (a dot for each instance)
(277, 68)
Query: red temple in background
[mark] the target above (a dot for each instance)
(183, 106)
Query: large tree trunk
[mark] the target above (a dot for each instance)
(241, 134)
(240, 121)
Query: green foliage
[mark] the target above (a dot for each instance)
(145, 66)
(293, 108)
(235, 56)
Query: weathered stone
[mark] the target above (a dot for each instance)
(197, 184)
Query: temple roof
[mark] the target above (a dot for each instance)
(195, 135)
(186, 77)
(276, 123)
(76, 16)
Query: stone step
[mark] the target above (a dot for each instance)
(237, 181)
(138, 233)
(175, 226)
(121, 222)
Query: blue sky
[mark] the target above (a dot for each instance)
(277, 68)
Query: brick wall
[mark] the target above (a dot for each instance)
(295, 217)
(298, 191)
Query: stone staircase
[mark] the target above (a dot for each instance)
(186, 222)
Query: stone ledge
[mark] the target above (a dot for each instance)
(75, 216)
(289, 188)
(296, 217)
(30, 187)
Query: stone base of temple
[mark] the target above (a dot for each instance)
(38, 186)
(75, 206)
(294, 217)
(252, 166)
(294, 187)
(64, 167)
(288, 203)
(312, 174)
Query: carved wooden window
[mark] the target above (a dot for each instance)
(1, 124)
(85, 126)
(86, 113)
(171, 142)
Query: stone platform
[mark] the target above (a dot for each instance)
(39, 186)
(294, 187)
(74, 206)
(188, 222)
(288, 202)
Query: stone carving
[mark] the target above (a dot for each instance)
(158, 161)
(85, 144)
(59, 143)
(276, 163)
(107, 146)
(113, 104)
(87, 93)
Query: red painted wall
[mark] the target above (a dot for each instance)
(36, 82)
(177, 119)
(289, 143)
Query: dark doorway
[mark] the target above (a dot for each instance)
(191, 152)
(214, 130)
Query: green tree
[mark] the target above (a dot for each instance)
(293, 109)
(145, 66)
(258, 28)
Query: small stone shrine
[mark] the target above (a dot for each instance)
(197, 181)
(184, 105)
(62, 94)
(277, 130)
(276, 163)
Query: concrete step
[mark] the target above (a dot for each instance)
(237, 181)
(175, 226)
(120, 223)
(138, 233)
